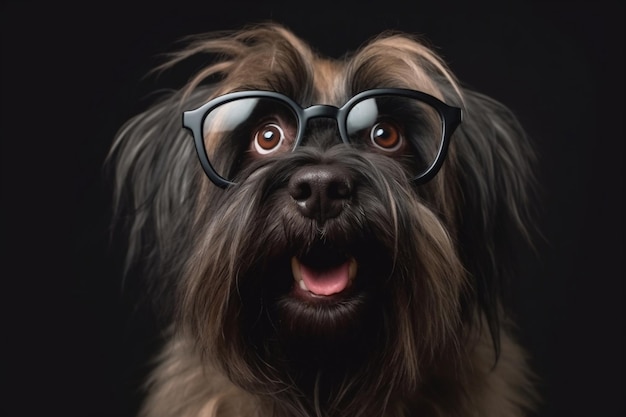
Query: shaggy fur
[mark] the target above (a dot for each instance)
(425, 335)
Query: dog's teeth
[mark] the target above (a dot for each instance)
(295, 269)
(297, 273)
(352, 267)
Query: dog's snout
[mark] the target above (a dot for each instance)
(321, 192)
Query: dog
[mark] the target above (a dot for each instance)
(327, 236)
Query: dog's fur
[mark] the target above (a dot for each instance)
(426, 336)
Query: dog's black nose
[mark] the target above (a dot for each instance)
(322, 191)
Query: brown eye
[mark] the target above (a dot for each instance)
(386, 136)
(268, 138)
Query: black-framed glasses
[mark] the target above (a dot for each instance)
(408, 125)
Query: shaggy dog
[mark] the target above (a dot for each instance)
(327, 237)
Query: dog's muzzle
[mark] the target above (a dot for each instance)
(321, 192)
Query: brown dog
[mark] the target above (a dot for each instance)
(332, 235)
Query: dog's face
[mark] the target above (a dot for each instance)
(339, 232)
(327, 238)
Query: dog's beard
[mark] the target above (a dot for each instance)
(354, 302)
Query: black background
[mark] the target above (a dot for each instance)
(71, 75)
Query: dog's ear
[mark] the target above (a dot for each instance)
(496, 178)
(152, 166)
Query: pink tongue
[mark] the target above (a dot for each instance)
(327, 281)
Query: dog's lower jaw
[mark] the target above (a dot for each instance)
(185, 385)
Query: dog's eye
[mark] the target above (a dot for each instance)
(268, 138)
(386, 136)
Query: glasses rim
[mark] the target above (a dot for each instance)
(193, 121)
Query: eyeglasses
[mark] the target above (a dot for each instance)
(238, 128)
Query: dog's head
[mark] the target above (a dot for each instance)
(337, 225)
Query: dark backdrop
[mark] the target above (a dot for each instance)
(74, 342)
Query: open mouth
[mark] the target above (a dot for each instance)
(331, 288)
(323, 280)
(323, 272)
